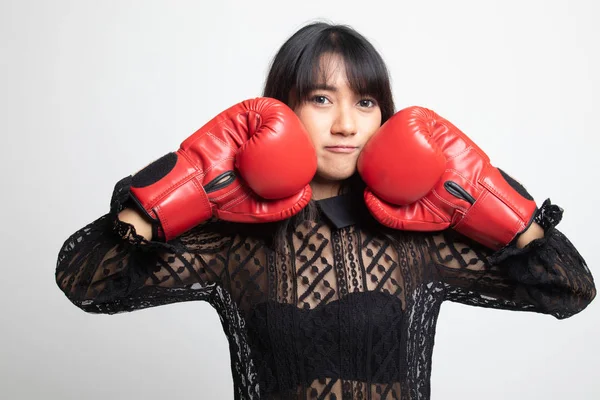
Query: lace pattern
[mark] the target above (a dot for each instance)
(342, 313)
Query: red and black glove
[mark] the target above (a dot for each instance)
(424, 174)
(251, 163)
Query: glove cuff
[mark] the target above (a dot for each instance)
(170, 195)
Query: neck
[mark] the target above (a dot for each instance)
(324, 189)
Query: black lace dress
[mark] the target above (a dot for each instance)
(347, 311)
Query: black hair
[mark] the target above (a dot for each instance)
(296, 70)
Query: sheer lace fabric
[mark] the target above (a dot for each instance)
(347, 311)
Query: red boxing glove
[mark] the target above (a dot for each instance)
(251, 163)
(424, 174)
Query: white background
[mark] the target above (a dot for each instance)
(91, 91)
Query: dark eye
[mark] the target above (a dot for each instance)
(367, 103)
(319, 99)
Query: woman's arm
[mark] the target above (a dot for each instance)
(134, 217)
(108, 267)
(547, 275)
(535, 231)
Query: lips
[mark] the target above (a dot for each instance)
(341, 149)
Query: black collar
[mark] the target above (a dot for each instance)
(338, 212)
(343, 210)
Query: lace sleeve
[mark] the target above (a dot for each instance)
(547, 276)
(106, 267)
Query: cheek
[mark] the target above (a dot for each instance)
(371, 125)
(314, 124)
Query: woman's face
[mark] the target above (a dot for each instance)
(339, 121)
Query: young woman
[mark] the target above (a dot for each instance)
(326, 231)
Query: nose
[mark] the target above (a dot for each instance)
(344, 123)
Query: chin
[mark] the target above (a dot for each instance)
(335, 175)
